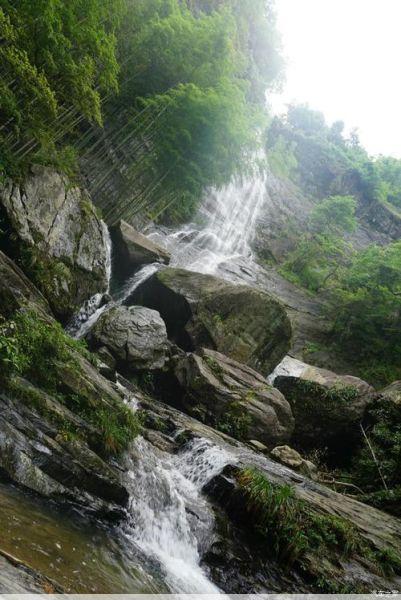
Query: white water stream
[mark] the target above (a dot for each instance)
(227, 220)
(171, 521)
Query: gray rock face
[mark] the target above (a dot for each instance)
(132, 249)
(16, 290)
(58, 230)
(200, 310)
(285, 210)
(234, 398)
(327, 408)
(34, 455)
(135, 336)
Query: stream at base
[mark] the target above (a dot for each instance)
(157, 549)
(78, 554)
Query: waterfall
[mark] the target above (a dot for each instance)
(170, 520)
(227, 217)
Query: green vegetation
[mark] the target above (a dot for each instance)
(39, 350)
(214, 366)
(57, 60)
(179, 88)
(321, 249)
(383, 427)
(362, 288)
(366, 310)
(297, 534)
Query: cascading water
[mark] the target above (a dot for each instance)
(170, 520)
(166, 491)
(228, 219)
(81, 325)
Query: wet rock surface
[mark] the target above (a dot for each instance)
(233, 397)
(36, 455)
(60, 236)
(135, 336)
(225, 558)
(15, 578)
(205, 311)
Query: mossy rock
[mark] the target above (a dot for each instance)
(199, 310)
(328, 409)
(54, 232)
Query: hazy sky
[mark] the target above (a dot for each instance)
(344, 58)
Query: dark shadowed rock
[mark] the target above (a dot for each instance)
(131, 249)
(62, 240)
(135, 336)
(328, 409)
(234, 398)
(204, 311)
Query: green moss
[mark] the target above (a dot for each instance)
(338, 393)
(214, 366)
(235, 421)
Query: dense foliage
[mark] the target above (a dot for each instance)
(180, 87)
(363, 287)
(57, 60)
(367, 310)
(321, 249)
(379, 476)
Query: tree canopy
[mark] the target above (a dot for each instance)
(187, 79)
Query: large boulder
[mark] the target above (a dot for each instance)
(16, 290)
(60, 240)
(199, 310)
(131, 249)
(135, 336)
(328, 409)
(233, 398)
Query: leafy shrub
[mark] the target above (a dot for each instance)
(30, 346)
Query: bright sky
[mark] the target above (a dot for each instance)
(344, 58)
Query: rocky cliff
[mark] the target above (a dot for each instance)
(193, 414)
